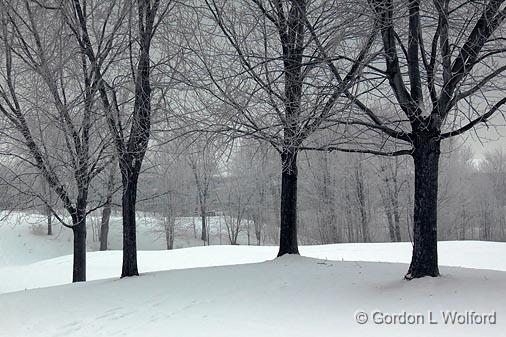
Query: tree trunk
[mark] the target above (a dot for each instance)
(49, 221)
(394, 195)
(129, 200)
(258, 233)
(106, 210)
(391, 227)
(349, 216)
(391, 205)
(79, 231)
(248, 234)
(397, 221)
(288, 228)
(49, 215)
(169, 232)
(104, 226)
(208, 233)
(236, 231)
(362, 203)
(203, 236)
(426, 160)
(194, 226)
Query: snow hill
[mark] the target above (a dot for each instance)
(241, 291)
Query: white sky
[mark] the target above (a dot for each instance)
(484, 140)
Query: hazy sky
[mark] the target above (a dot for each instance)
(484, 140)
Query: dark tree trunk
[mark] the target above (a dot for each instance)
(132, 155)
(129, 200)
(79, 231)
(203, 236)
(288, 229)
(426, 159)
(47, 192)
(49, 221)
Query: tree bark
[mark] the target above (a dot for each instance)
(129, 199)
(288, 228)
(79, 231)
(426, 159)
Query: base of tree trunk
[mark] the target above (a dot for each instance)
(288, 229)
(129, 267)
(423, 267)
(79, 256)
(424, 261)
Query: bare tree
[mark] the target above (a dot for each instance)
(203, 162)
(390, 188)
(322, 194)
(265, 79)
(442, 69)
(250, 176)
(32, 59)
(494, 168)
(238, 195)
(361, 199)
(130, 146)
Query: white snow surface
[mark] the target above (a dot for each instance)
(241, 291)
(100, 265)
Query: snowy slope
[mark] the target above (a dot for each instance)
(291, 296)
(469, 254)
(23, 238)
(23, 241)
(221, 291)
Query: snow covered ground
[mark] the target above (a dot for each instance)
(57, 271)
(23, 238)
(290, 296)
(222, 291)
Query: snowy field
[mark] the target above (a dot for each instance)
(23, 238)
(223, 291)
